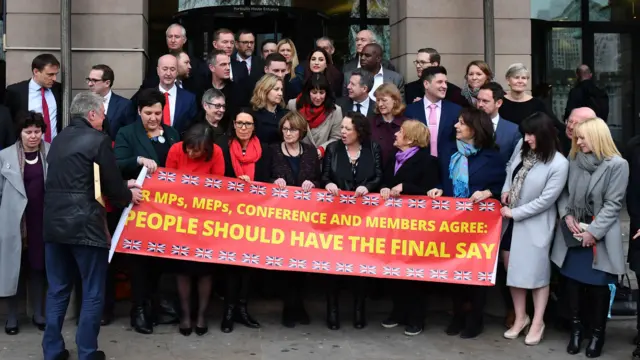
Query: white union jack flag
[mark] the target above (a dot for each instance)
(235, 186)
(393, 203)
(415, 273)
(227, 256)
(347, 199)
(167, 176)
(148, 176)
(417, 204)
(440, 204)
(345, 268)
(258, 190)
(132, 244)
(213, 183)
(321, 265)
(301, 195)
(179, 250)
(462, 275)
(391, 271)
(297, 264)
(190, 180)
(280, 193)
(370, 200)
(251, 259)
(275, 261)
(325, 197)
(485, 276)
(464, 206)
(204, 253)
(156, 247)
(487, 206)
(367, 269)
(439, 274)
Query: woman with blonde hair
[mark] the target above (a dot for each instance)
(268, 106)
(588, 243)
(287, 48)
(389, 117)
(477, 74)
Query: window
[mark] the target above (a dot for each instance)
(613, 10)
(564, 56)
(193, 4)
(556, 10)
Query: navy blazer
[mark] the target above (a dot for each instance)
(446, 129)
(120, 112)
(186, 110)
(487, 171)
(507, 137)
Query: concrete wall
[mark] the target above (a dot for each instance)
(111, 32)
(455, 29)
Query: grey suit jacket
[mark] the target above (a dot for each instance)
(612, 176)
(389, 76)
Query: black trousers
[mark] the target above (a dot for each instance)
(476, 296)
(409, 302)
(145, 272)
(594, 298)
(237, 284)
(335, 283)
(292, 288)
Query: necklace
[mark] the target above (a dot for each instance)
(286, 148)
(32, 162)
(354, 159)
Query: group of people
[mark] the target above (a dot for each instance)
(273, 119)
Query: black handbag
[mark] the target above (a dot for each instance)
(625, 301)
(567, 235)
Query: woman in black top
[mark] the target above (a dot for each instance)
(353, 164)
(268, 106)
(517, 104)
(294, 163)
(411, 171)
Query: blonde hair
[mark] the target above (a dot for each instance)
(416, 132)
(296, 121)
(389, 89)
(267, 83)
(598, 136)
(294, 56)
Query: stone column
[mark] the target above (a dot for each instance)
(455, 29)
(110, 32)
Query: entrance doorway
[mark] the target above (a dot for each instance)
(303, 26)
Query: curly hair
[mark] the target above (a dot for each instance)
(267, 83)
(28, 119)
(360, 125)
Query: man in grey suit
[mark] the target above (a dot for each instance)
(359, 85)
(364, 38)
(507, 134)
(371, 61)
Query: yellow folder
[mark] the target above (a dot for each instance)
(96, 184)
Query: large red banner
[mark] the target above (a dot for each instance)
(228, 221)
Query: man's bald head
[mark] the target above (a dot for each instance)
(363, 38)
(576, 117)
(167, 70)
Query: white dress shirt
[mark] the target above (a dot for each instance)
(173, 95)
(364, 106)
(495, 122)
(358, 57)
(247, 61)
(35, 104)
(378, 79)
(107, 98)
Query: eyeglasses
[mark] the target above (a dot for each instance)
(90, 80)
(421, 63)
(289, 131)
(244, 125)
(247, 42)
(216, 106)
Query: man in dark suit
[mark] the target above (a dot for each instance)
(414, 91)
(180, 108)
(245, 46)
(7, 134)
(223, 39)
(118, 109)
(275, 64)
(364, 38)
(437, 113)
(507, 134)
(358, 87)
(371, 61)
(220, 68)
(41, 94)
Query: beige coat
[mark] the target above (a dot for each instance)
(327, 132)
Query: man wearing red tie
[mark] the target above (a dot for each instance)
(180, 105)
(41, 94)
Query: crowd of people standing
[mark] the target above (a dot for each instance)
(267, 116)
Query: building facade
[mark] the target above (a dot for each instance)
(551, 37)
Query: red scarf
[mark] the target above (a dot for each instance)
(315, 115)
(245, 164)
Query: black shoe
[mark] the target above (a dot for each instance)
(40, 326)
(107, 318)
(389, 323)
(288, 317)
(226, 326)
(636, 353)
(594, 349)
(166, 313)
(64, 355)
(242, 316)
(359, 315)
(98, 355)
(333, 313)
(140, 321)
(201, 330)
(456, 325)
(636, 339)
(472, 329)
(185, 331)
(302, 315)
(575, 341)
(11, 330)
(413, 330)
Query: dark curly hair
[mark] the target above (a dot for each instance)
(317, 82)
(360, 125)
(26, 119)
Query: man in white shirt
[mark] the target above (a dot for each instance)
(180, 105)
(245, 46)
(358, 87)
(223, 39)
(507, 134)
(371, 61)
(118, 110)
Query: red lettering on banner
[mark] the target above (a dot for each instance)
(228, 221)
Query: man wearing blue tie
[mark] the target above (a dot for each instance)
(507, 134)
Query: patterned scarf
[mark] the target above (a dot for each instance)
(459, 169)
(528, 161)
(21, 157)
(470, 94)
(580, 170)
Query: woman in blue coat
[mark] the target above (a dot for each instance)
(476, 172)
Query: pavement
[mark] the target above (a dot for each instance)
(315, 341)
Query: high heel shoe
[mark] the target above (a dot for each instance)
(534, 339)
(40, 326)
(201, 330)
(185, 331)
(15, 330)
(514, 332)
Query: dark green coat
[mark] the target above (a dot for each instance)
(132, 141)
